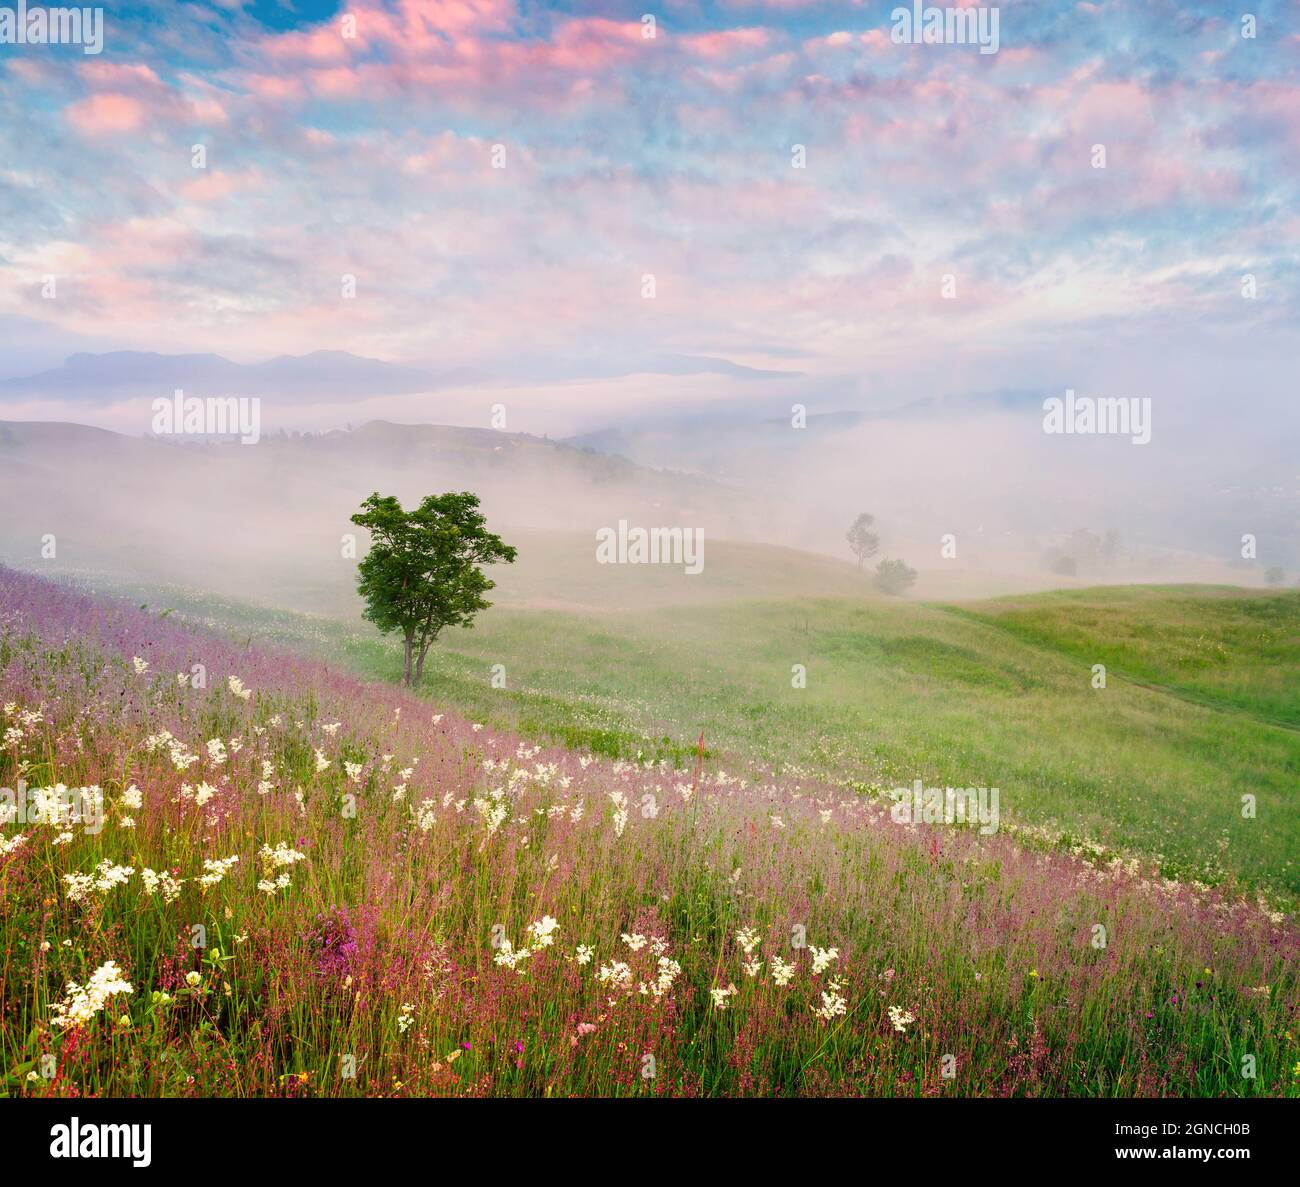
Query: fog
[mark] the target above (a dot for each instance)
(979, 499)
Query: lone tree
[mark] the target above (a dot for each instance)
(862, 540)
(892, 577)
(422, 571)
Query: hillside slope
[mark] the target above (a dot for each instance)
(392, 901)
(896, 691)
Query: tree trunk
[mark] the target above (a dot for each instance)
(419, 663)
(406, 670)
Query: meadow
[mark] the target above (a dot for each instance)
(307, 883)
(1201, 704)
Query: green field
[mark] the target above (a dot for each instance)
(1201, 704)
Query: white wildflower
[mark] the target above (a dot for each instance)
(901, 1019)
(103, 877)
(162, 882)
(83, 1002)
(543, 931)
(217, 868)
(510, 957)
(782, 971)
(833, 1002)
(720, 996)
(822, 957)
(616, 973)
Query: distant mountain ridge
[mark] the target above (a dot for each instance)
(323, 376)
(686, 437)
(99, 378)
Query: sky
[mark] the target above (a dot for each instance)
(551, 196)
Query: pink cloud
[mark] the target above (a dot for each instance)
(275, 86)
(215, 185)
(414, 28)
(1116, 106)
(1020, 56)
(439, 45)
(781, 5)
(457, 16)
(322, 45)
(119, 75)
(583, 45)
(107, 112)
(726, 42)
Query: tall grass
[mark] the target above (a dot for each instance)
(444, 909)
(897, 691)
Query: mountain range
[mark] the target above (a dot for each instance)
(316, 377)
(321, 377)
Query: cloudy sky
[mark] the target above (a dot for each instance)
(672, 156)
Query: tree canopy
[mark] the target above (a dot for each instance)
(893, 577)
(863, 542)
(422, 571)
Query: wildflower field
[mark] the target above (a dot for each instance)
(282, 880)
(1201, 706)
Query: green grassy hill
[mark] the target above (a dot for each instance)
(1200, 705)
(1214, 645)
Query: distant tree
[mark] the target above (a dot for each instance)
(1110, 548)
(1086, 549)
(1065, 566)
(1274, 575)
(863, 542)
(893, 577)
(422, 571)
